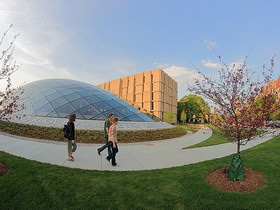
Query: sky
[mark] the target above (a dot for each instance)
(96, 41)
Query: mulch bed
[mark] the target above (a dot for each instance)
(3, 169)
(253, 180)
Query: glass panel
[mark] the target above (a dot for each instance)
(131, 108)
(72, 96)
(94, 92)
(36, 97)
(125, 119)
(115, 112)
(84, 93)
(79, 88)
(45, 110)
(92, 99)
(40, 103)
(59, 102)
(100, 117)
(53, 114)
(145, 117)
(28, 110)
(89, 112)
(135, 118)
(102, 107)
(122, 102)
(113, 103)
(124, 111)
(103, 97)
(49, 91)
(78, 115)
(65, 110)
(66, 91)
(54, 96)
(80, 103)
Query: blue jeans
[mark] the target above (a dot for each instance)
(106, 145)
(114, 151)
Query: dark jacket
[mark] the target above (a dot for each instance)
(71, 129)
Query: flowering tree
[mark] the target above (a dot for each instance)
(8, 66)
(241, 107)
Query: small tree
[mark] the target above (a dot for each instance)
(169, 117)
(239, 102)
(183, 116)
(8, 101)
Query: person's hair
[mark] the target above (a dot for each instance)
(110, 115)
(115, 119)
(72, 117)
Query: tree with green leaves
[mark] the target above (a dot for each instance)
(195, 105)
(169, 116)
(183, 116)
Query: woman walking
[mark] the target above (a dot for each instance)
(72, 146)
(112, 139)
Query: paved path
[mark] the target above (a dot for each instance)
(131, 156)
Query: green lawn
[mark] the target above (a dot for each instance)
(191, 127)
(216, 138)
(33, 185)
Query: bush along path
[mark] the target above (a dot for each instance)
(88, 136)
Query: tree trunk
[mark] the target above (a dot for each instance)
(238, 146)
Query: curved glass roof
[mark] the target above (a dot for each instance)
(61, 97)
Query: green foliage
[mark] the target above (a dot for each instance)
(193, 105)
(88, 136)
(169, 116)
(275, 116)
(183, 116)
(33, 185)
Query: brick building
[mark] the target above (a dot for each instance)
(152, 92)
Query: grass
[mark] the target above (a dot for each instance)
(33, 185)
(191, 127)
(88, 136)
(216, 138)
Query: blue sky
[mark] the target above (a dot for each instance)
(100, 40)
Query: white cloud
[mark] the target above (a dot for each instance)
(38, 40)
(210, 44)
(210, 64)
(182, 75)
(214, 65)
(237, 64)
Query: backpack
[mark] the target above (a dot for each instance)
(65, 131)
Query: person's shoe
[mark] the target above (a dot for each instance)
(108, 159)
(114, 164)
(98, 152)
(72, 157)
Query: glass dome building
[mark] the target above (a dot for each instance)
(59, 97)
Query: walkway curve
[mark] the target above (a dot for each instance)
(131, 156)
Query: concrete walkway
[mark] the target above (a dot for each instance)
(131, 156)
